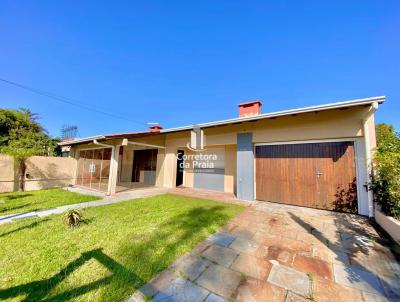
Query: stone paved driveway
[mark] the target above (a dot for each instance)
(273, 252)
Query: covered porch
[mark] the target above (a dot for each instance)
(117, 166)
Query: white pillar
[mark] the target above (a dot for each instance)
(368, 163)
(113, 176)
(368, 156)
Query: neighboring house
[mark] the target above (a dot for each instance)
(316, 156)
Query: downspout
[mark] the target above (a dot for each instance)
(111, 163)
(368, 155)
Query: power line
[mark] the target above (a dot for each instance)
(66, 100)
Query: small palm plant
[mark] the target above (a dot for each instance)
(73, 217)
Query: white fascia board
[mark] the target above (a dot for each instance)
(337, 105)
(146, 145)
(81, 140)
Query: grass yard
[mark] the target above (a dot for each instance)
(117, 250)
(21, 202)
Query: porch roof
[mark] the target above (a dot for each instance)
(108, 137)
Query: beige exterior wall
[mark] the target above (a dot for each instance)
(229, 155)
(43, 172)
(49, 172)
(8, 180)
(230, 169)
(308, 126)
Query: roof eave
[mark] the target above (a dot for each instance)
(130, 135)
(331, 106)
(81, 140)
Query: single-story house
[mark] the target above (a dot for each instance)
(317, 156)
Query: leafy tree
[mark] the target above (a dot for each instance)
(386, 181)
(21, 136)
(387, 138)
(13, 121)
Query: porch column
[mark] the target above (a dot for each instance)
(113, 176)
(367, 123)
(170, 167)
(160, 168)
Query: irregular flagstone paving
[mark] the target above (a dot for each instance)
(275, 252)
(222, 239)
(289, 278)
(181, 290)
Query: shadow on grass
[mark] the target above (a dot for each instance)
(17, 196)
(38, 290)
(10, 198)
(29, 226)
(151, 253)
(11, 207)
(8, 207)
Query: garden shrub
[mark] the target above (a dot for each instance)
(386, 178)
(73, 217)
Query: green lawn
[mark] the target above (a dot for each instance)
(120, 248)
(21, 202)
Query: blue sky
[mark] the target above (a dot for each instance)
(185, 62)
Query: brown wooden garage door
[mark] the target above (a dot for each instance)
(317, 175)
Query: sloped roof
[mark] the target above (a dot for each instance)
(330, 106)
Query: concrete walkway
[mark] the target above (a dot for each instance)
(212, 195)
(134, 194)
(273, 252)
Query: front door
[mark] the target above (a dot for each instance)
(179, 168)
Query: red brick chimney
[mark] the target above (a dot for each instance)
(250, 108)
(156, 128)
